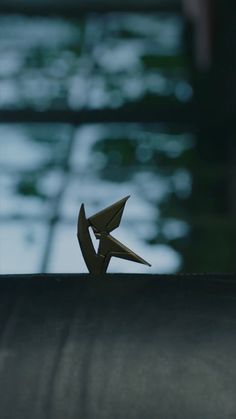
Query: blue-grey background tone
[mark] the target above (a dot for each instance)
(95, 62)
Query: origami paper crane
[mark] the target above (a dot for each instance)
(102, 224)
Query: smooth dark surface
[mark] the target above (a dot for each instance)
(122, 346)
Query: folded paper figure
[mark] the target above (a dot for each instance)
(102, 224)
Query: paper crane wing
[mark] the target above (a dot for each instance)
(109, 246)
(109, 218)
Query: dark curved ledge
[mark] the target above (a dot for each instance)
(118, 346)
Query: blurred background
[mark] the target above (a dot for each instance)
(102, 99)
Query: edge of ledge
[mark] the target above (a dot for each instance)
(218, 277)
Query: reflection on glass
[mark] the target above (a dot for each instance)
(98, 164)
(21, 246)
(103, 61)
(103, 164)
